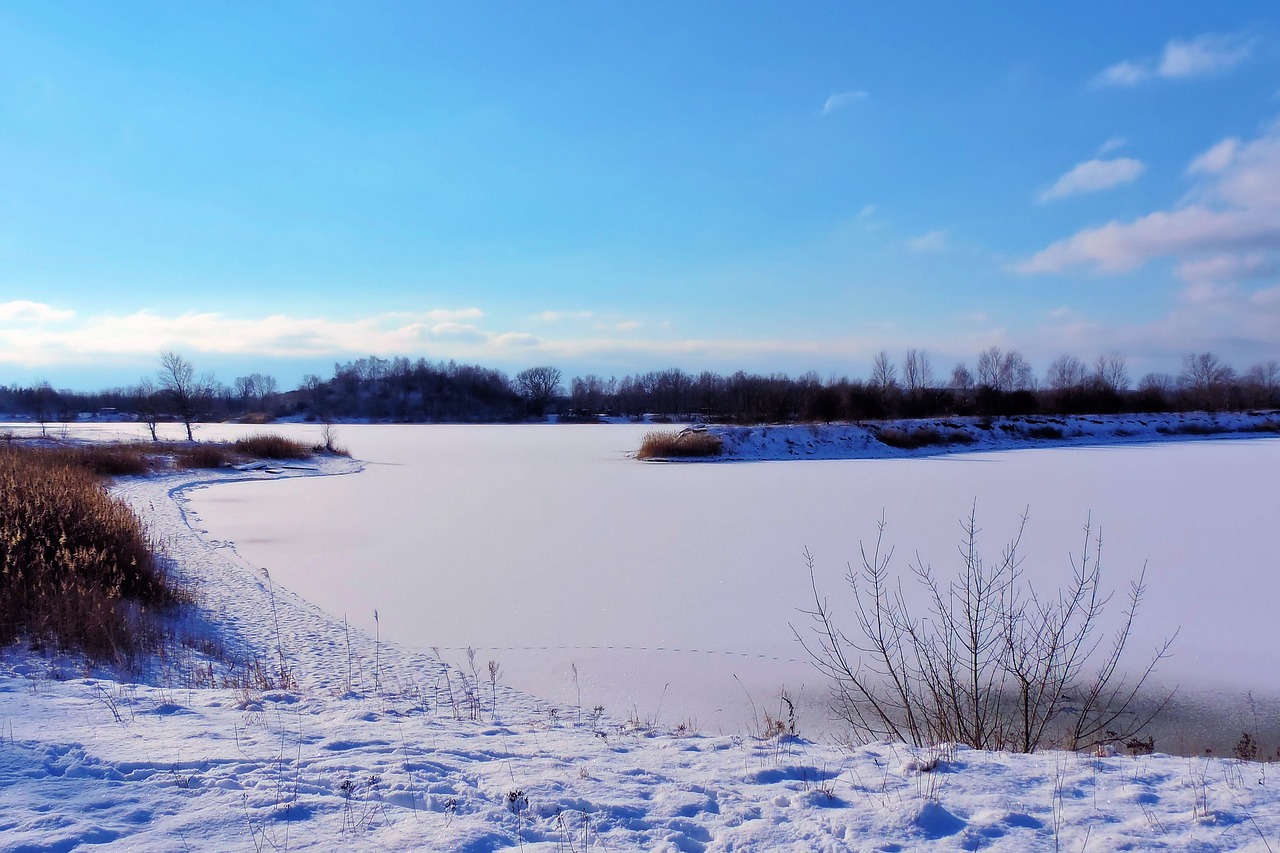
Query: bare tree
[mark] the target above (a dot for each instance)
(993, 664)
(1263, 380)
(989, 368)
(254, 390)
(1065, 373)
(148, 399)
(884, 375)
(962, 378)
(45, 403)
(1206, 379)
(1004, 371)
(178, 381)
(538, 385)
(1110, 373)
(917, 371)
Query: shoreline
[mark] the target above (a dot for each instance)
(931, 437)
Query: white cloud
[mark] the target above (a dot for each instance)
(931, 241)
(867, 212)
(1122, 74)
(1227, 268)
(24, 311)
(1234, 209)
(1112, 144)
(65, 338)
(1202, 56)
(1093, 176)
(558, 316)
(840, 100)
(457, 331)
(1215, 159)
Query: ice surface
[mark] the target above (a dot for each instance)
(673, 587)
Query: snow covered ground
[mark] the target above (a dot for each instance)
(934, 436)
(380, 748)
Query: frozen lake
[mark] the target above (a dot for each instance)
(672, 588)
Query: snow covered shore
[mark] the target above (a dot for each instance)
(933, 436)
(378, 748)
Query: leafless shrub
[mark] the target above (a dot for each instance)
(993, 663)
(329, 442)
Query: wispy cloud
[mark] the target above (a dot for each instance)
(560, 316)
(930, 241)
(25, 311)
(1093, 176)
(1122, 74)
(840, 100)
(1216, 159)
(1234, 209)
(1227, 269)
(1202, 56)
(1112, 144)
(64, 337)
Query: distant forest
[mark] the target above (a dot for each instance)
(1001, 382)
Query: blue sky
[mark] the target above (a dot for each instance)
(616, 188)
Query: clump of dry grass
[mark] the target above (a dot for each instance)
(204, 456)
(911, 439)
(685, 444)
(925, 436)
(1046, 431)
(270, 446)
(76, 569)
(105, 460)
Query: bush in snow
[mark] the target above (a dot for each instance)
(993, 663)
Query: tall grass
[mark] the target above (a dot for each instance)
(76, 569)
(267, 445)
(669, 444)
(105, 460)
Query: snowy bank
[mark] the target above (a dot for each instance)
(379, 748)
(932, 436)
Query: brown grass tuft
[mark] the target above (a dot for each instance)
(204, 456)
(270, 446)
(76, 569)
(104, 460)
(685, 444)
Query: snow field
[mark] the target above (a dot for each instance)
(380, 747)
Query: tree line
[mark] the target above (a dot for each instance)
(1001, 382)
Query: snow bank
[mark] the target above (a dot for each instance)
(377, 748)
(934, 436)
